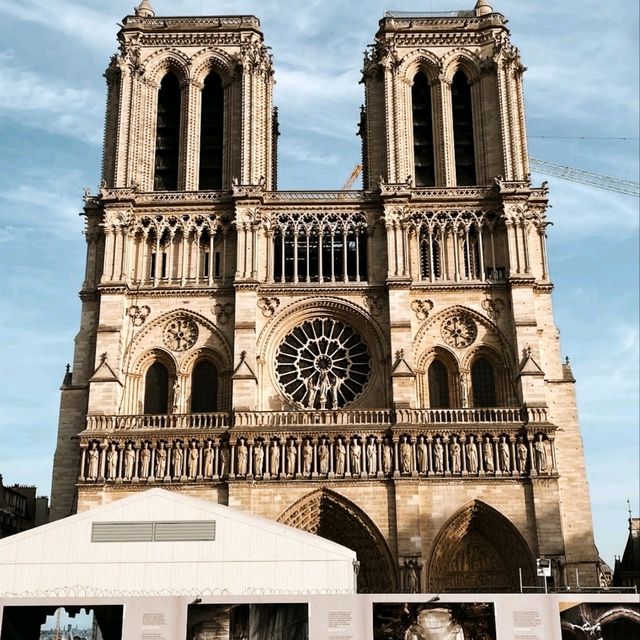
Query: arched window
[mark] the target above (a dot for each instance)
(438, 385)
(423, 149)
(471, 255)
(463, 130)
(211, 133)
(156, 390)
(168, 135)
(430, 256)
(483, 381)
(204, 387)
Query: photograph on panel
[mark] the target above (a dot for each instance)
(248, 621)
(434, 621)
(600, 621)
(62, 623)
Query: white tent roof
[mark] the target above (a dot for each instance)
(249, 554)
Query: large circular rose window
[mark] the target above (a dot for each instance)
(322, 364)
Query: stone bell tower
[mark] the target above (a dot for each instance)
(380, 367)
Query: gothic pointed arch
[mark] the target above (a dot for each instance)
(334, 517)
(479, 549)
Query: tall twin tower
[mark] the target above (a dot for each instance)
(380, 367)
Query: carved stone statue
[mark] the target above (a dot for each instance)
(225, 459)
(541, 454)
(341, 455)
(438, 456)
(192, 462)
(487, 455)
(307, 457)
(372, 457)
(356, 455)
(387, 456)
(258, 458)
(208, 460)
(456, 460)
(243, 457)
(423, 455)
(405, 455)
(145, 460)
(505, 455)
(129, 461)
(112, 462)
(472, 456)
(274, 462)
(523, 454)
(412, 578)
(177, 460)
(161, 461)
(93, 456)
(323, 457)
(292, 454)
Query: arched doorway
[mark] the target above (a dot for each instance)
(335, 518)
(479, 550)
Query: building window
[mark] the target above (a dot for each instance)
(204, 387)
(463, 130)
(438, 385)
(168, 135)
(423, 148)
(211, 133)
(471, 251)
(483, 383)
(156, 389)
(309, 248)
(430, 256)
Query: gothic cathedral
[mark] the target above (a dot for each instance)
(379, 367)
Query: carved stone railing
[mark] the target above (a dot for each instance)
(322, 196)
(191, 421)
(470, 416)
(311, 419)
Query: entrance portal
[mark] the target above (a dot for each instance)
(335, 518)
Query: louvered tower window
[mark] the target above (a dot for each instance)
(168, 135)
(423, 149)
(211, 133)
(438, 385)
(156, 390)
(484, 384)
(204, 387)
(463, 130)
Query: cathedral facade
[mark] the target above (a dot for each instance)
(377, 366)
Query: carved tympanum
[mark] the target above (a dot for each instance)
(459, 331)
(180, 334)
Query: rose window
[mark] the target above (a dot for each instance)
(181, 334)
(323, 364)
(459, 331)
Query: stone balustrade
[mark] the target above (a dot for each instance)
(411, 420)
(127, 458)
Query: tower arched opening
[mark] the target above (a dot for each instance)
(423, 146)
(168, 134)
(463, 141)
(211, 133)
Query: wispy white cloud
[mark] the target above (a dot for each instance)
(39, 101)
(301, 151)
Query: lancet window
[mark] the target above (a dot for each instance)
(320, 248)
(423, 147)
(463, 141)
(178, 250)
(451, 245)
(156, 389)
(483, 383)
(211, 133)
(438, 376)
(167, 135)
(204, 387)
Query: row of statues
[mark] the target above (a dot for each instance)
(305, 458)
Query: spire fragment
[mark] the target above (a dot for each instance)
(483, 8)
(145, 10)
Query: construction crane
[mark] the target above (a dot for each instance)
(357, 170)
(586, 177)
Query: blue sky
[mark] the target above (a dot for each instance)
(582, 81)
